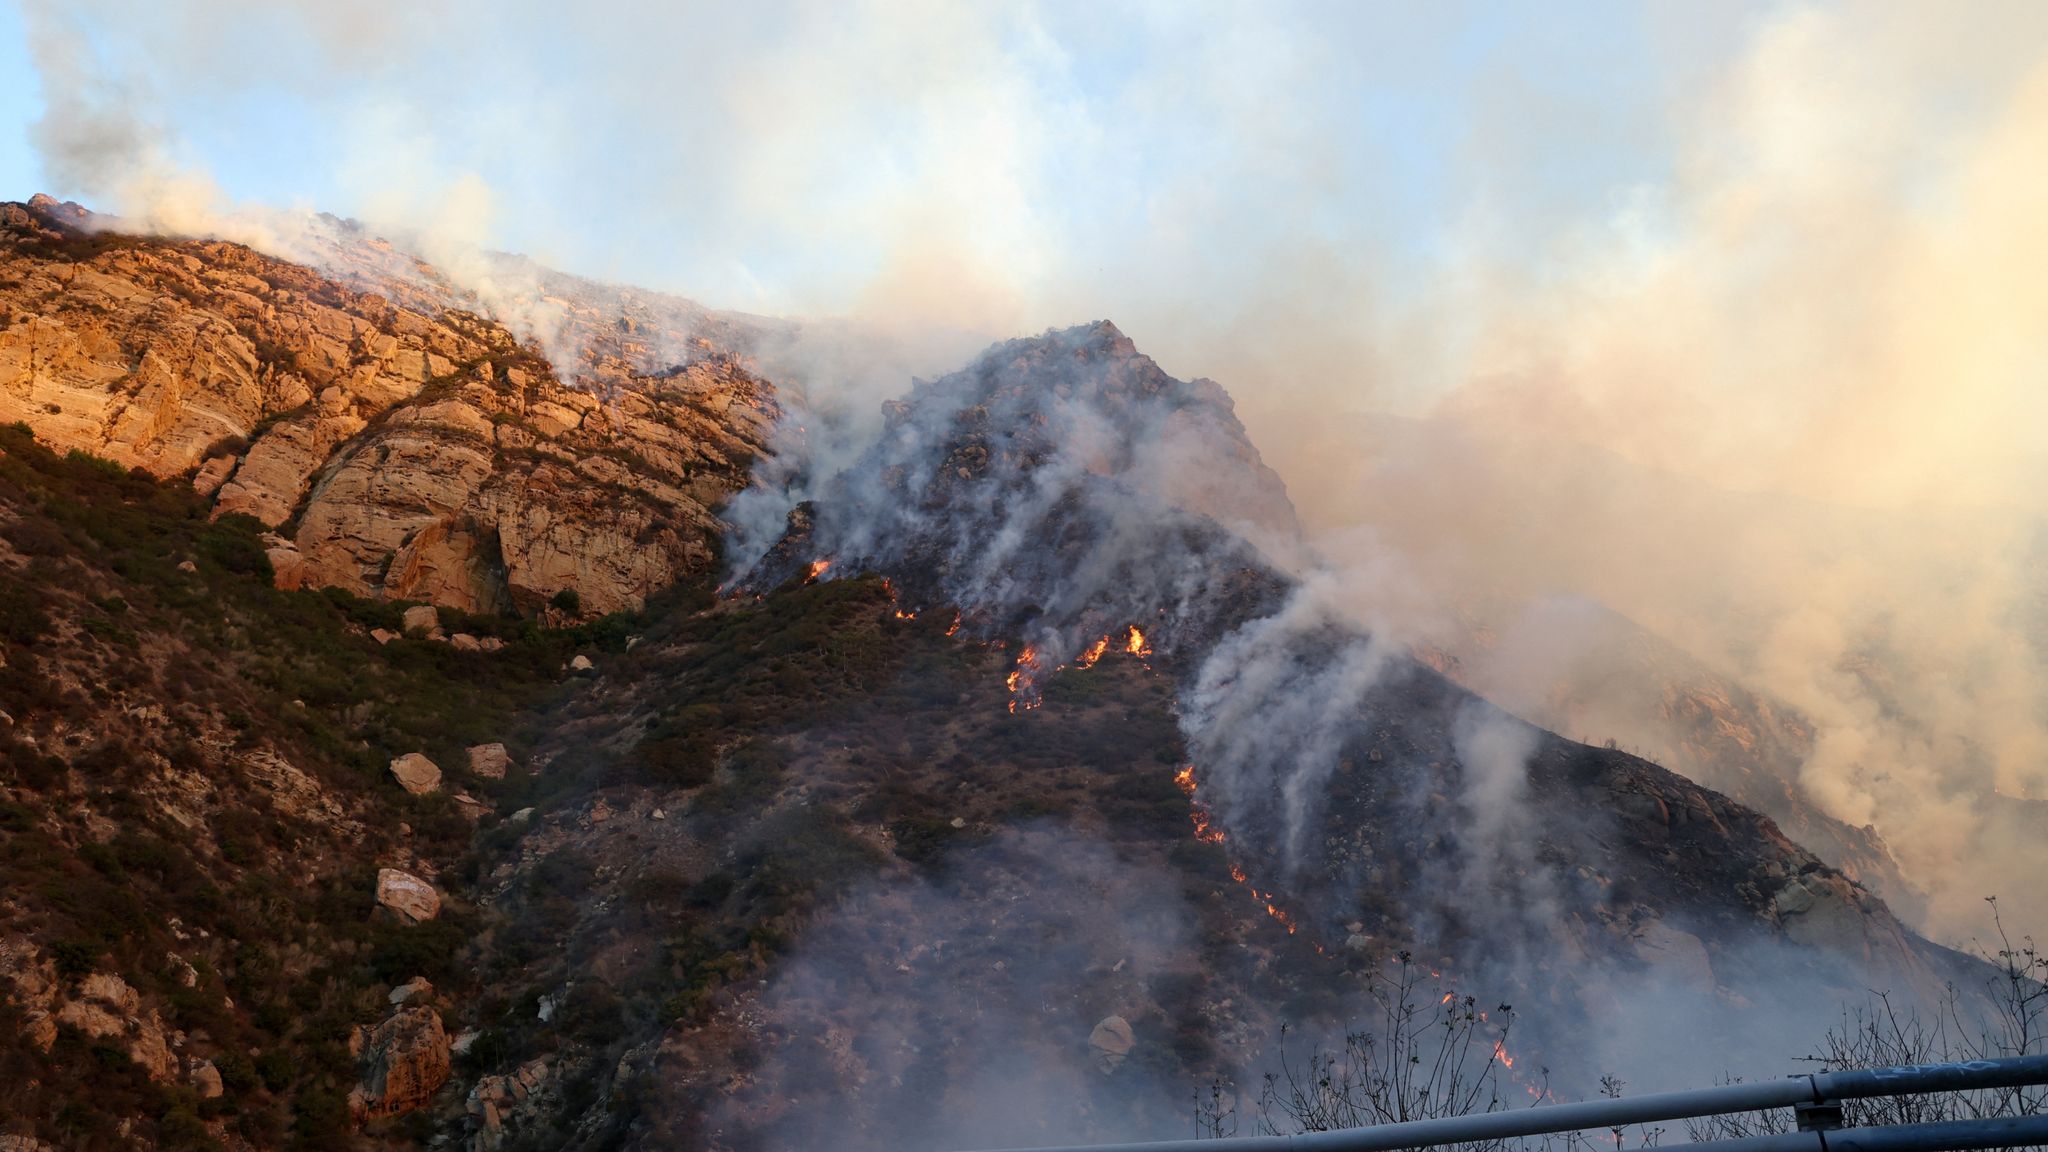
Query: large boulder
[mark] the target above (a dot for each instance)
(412, 898)
(489, 761)
(1112, 1040)
(402, 1061)
(417, 774)
(421, 618)
(1677, 955)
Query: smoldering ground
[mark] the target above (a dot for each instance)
(967, 1008)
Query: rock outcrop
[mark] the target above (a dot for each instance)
(405, 447)
(498, 1103)
(402, 1061)
(106, 1008)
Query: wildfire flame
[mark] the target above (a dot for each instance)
(1022, 681)
(1094, 653)
(1136, 644)
(1207, 833)
(889, 587)
(816, 570)
(954, 626)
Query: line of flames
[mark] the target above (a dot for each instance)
(1021, 681)
(1023, 678)
(1207, 832)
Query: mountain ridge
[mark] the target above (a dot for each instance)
(733, 845)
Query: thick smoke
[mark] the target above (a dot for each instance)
(1047, 486)
(966, 1010)
(1784, 273)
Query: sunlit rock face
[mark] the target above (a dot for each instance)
(408, 448)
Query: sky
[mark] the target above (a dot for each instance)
(1781, 261)
(782, 159)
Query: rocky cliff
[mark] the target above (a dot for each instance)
(399, 445)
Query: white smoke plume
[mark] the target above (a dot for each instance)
(1745, 348)
(961, 1011)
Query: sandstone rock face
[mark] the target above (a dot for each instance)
(516, 492)
(106, 1008)
(425, 452)
(420, 618)
(404, 1061)
(406, 894)
(111, 991)
(205, 1080)
(1827, 912)
(417, 774)
(489, 761)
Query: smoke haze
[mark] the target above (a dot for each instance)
(1728, 318)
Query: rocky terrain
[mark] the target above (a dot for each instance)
(384, 769)
(402, 450)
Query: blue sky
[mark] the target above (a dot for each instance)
(19, 103)
(1150, 117)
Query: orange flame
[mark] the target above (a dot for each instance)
(1198, 814)
(1022, 681)
(954, 626)
(817, 569)
(1500, 1053)
(1093, 653)
(1136, 644)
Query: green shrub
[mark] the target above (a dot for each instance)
(234, 542)
(398, 953)
(75, 959)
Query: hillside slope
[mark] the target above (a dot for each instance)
(1017, 789)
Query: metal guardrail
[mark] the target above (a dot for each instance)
(1809, 1095)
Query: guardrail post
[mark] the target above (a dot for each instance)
(1818, 1115)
